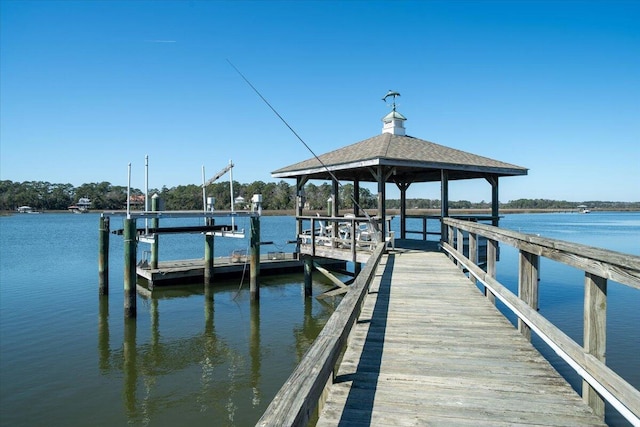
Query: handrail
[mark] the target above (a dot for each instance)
(294, 404)
(598, 264)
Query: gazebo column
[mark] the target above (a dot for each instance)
(403, 208)
(356, 197)
(335, 200)
(300, 201)
(495, 202)
(382, 214)
(444, 202)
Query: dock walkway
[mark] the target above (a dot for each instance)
(429, 349)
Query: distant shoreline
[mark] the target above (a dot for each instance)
(391, 212)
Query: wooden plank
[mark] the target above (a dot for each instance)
(429, 349)
(329, 276)
(627, 396)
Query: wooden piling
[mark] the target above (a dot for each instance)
(103, 256)
(130, 243)
(254, 266)
(208, 255)
(308, 276)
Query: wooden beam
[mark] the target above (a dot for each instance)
(595, 333)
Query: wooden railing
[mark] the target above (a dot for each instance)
(599, 265)
(320, 235)
(425, 233)
(298, 398)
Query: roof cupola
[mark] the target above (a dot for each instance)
(393, 122)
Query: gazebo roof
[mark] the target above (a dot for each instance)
(414, 160)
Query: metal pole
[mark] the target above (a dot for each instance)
(146, 192)
(155, 206)
(130, 268)
(103, 256)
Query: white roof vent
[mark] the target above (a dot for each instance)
(393, 122)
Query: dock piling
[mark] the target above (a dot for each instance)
(308, 276)
(130, 275)
(254, 266)
(208, 255)
(103, 256)
(254, 273)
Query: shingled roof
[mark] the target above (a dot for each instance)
(414, 160)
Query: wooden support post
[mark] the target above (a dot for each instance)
(103, 333)
(356, 197)
(473, 254)
(424, 228)
(528, 286)
(460, 245)
(308, 276)
(595, 332)
(403, 186)
(444, 202)
(155, 223)
(130, 275)
(103, 256)
(254, 267)
(492, 256)
(208, 255)
(300, 202)
(495, 203)
(357, 268)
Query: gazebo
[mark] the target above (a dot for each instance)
(394, 157)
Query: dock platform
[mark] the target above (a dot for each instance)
(429, 349)
(192, 270)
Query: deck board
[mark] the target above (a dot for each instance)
(429, 349)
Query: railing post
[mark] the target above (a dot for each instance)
(313, 237)
(492, 256)
(595, 332)
(473, 253)
(460, 244)
(424, 228)
(527, 286)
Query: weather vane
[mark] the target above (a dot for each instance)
(392, 94)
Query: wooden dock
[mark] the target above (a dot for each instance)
(192, 270)
(429, 349)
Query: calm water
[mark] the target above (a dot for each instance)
(69, 358)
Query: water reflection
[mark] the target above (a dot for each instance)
(211, 375)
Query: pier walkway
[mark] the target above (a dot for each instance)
(429, 349)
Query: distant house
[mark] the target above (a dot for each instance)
(83, 205)
(137, 201)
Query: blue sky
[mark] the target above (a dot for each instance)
(88, 86)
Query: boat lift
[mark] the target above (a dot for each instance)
(208, 202)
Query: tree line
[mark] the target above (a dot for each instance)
(275, 196)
